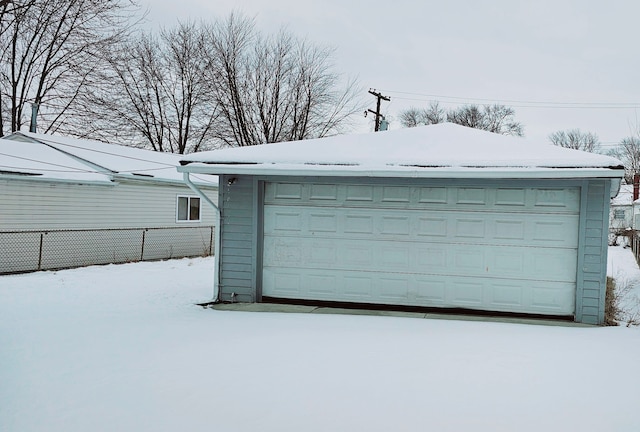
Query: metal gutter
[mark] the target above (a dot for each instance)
(158, 180)
(216, 261)
(403, 172)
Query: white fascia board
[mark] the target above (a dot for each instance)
(444, 172)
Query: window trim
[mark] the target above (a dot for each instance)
(188, 219)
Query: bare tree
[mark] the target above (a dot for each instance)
(495, 118)
(628, 151)
(273, 88)
(51, 49)
(433, 114)
(202, 86)
(162, 100)
(576, 139)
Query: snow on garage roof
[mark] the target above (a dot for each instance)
(442, 150)
(116, 161)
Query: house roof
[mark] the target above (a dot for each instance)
(35, 161)
(443, 150)
(106, 162)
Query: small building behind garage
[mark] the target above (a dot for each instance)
(441, 216)
(69, 202)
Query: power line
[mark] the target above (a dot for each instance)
(522, 103)
(51, 141)
(71, 169)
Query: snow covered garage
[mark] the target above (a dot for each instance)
(438, 216)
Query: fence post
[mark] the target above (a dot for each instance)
(211, 243)
(40, 252)
(144, 232)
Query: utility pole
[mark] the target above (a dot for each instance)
(377, 111)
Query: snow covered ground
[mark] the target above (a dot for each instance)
(124, 348)
(622, 267)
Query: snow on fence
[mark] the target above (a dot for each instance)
(26, 251)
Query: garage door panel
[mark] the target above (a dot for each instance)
(322, 285)
(512, 199)
(357, 287)
(395, 258)
(323, 192)
(412, 257)
(553, 264)
(323, 222)
(555, 298)
(286, 191)
(447, 227)
(469, 228)
(466, 293)
(567, 199)
(285, 220)
(475, 196)
(432, 195)
(551, 298)
(503, 249)
(507, 295)
(393, 288)
(431, 291)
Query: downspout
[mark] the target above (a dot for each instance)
(216, 261)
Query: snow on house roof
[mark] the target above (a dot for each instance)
(442, 150)
(33, 160)
(113, 160)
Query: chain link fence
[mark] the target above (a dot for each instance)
(26, 251)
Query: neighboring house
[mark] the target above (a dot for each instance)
(621, 212)
(440, 216)
(69, 202)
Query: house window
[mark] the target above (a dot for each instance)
(188, 209)
(618, 214)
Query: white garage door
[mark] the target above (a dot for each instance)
(497, 249)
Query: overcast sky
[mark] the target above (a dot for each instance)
(561, 64)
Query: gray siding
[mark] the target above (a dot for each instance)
(592, 254)
(36, 205)
(238, 239)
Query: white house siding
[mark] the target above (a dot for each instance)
(35, 205)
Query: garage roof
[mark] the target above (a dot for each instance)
(442, 150)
